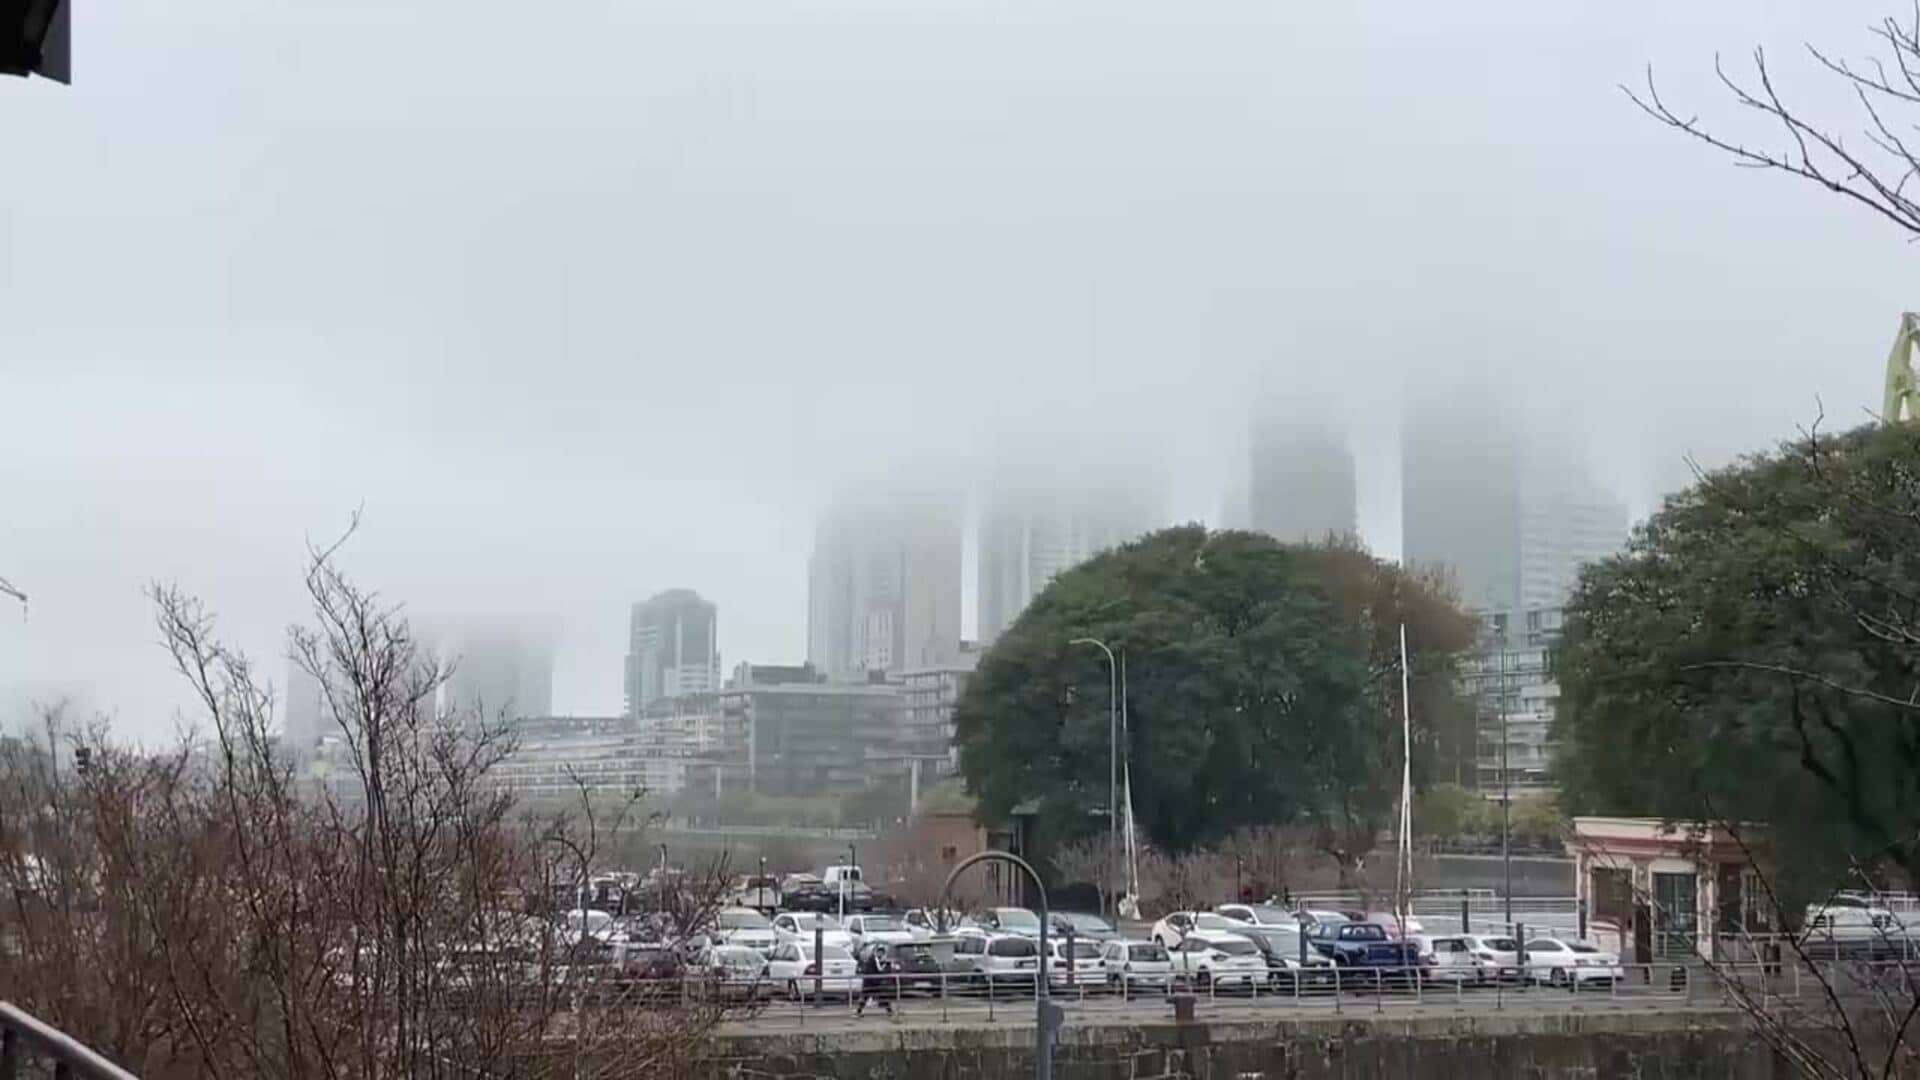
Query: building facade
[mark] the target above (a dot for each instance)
(883, 586)
(673, 649)
(1301, 480)
(926, 735)
(1027, 539)
(498, 675)
(684, 743)
(805, 739)
(1512, 520)
(1509, 679)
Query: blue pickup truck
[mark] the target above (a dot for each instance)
(1365, 954)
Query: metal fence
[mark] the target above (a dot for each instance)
(961, 998)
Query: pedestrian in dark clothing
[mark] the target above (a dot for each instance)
(877, 982)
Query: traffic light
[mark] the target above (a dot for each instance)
(36, 38)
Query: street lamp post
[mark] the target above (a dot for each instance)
(1113, 766)
(1047, 1016)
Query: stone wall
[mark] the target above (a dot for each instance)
(1665, 1045)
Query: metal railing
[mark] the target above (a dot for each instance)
(1480, 989)
(23, 1037)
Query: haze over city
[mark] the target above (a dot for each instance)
(575, 324)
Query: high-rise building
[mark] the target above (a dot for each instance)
(1513, 519)
(883, 586)
(498, 674)
(673, 649)
(1300, 478)
(1027, 538)
(1509, 680)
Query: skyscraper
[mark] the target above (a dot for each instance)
(1029, 537)
(883, 585)
(1300, 476)
(499, 674)
(673, 649)
(1513, 518)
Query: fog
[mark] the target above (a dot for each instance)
(576, 305)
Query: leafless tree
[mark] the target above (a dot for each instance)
(1871, 168)
(218, 910)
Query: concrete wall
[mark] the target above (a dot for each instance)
(1668, 1045)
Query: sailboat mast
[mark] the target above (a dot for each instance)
(1403, 870)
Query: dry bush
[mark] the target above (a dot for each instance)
(210, 911)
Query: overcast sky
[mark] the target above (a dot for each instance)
(583, 301)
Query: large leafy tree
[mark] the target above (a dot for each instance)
(1752, 657)
(1262, 680)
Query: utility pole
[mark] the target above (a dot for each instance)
(1113, 767)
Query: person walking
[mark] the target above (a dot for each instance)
(877, 982)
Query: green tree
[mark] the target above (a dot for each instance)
(1752, 658)
(1262, 689)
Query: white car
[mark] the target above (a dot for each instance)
(800, 926)
(1450, 958)
(1309, 919)
(791, 968)
(744, 927)
(1010, 920)
(874, 929)
(1081, 970)
(926, 923)
(1571, 963)
(1169, 930)
(1131, 965)
(1010, 961)
(1500, 956)
(1209, 958)
(1259, 915)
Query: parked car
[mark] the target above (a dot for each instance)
(756, 892)
(1451, 958)
(869, 929)
(1010, 961)
(1258, 915)
(1311, 918)
(928, 922)
(793, 965)
(917, 966)
(1571, 963)
(1082, 925)
(1281, 947)
(805, 892)
(1207, 958)
(1179, 924)
(970, 954)
(1397, 925)
(1499, 955)
(800, 926)
(1079, 968)
(651, 968)
(1131, 965)
(728, 973)
(1368, 950)
(744, 926)
(1010, 920)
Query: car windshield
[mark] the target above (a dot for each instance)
(1017, 918)
(1583, 947)
(1500, 944)
(1207, 920)
(1235, 947)
(1363, 932)
(1545, 945)
(811, 922)
(1264, 913)
(883, 923)
(1148, 953)
(1012, 947)
(1082, 950)
(743, 920)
